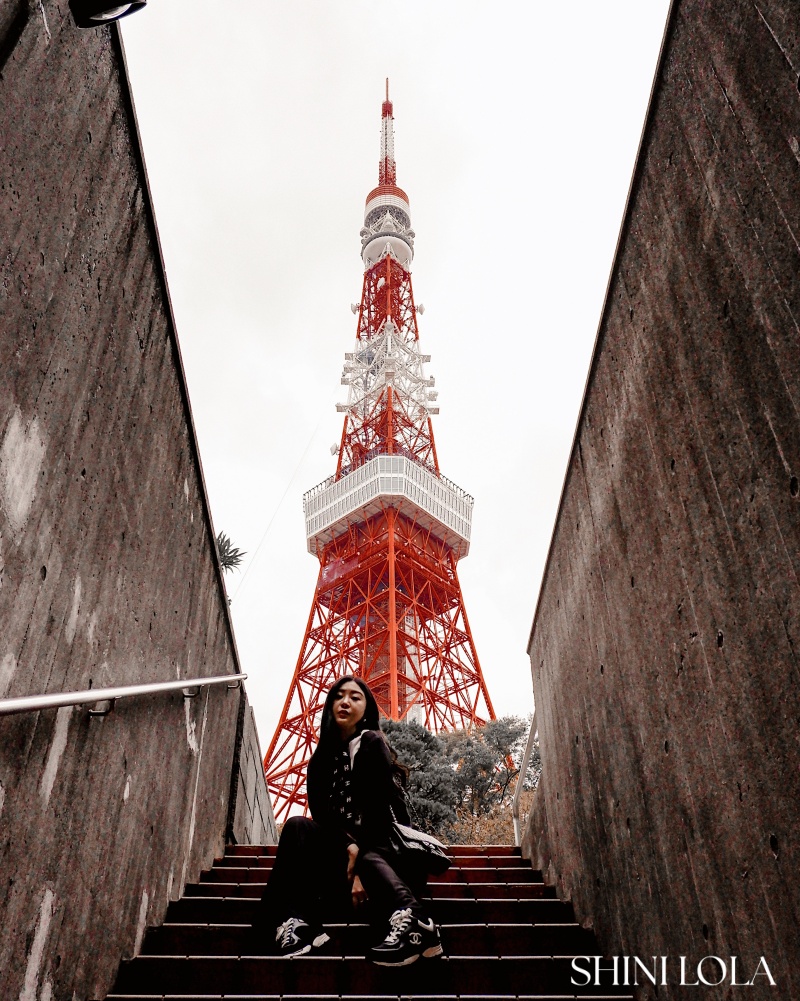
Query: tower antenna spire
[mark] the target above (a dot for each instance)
(387, 170)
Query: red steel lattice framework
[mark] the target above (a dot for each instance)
(387, 527)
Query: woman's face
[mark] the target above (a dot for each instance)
(349, 706)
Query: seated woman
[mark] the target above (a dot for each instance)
(343, 851)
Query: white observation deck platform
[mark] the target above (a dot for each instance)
(389, 481)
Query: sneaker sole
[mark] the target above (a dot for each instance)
(403, 962)
(298, 952)
(434, 950)
(321, 940)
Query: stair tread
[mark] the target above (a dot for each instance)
(453, 849)
(467, 872)
(312, 975)
(241, 910)
(364, 924)
(354, 939)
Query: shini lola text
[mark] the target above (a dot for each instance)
(632, 971)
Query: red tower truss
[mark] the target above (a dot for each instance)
(387, 527)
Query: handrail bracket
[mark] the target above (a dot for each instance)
(101, 708)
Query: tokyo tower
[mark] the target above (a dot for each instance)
(387, 528)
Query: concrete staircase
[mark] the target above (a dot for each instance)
(505, 935)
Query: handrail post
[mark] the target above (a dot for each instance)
(521, 778)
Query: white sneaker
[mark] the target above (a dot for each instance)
(296, 938)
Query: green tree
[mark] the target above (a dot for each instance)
(431, 789)
(462, 783)
(486, 762)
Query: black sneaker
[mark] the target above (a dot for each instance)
(409, 938)
(296, 938)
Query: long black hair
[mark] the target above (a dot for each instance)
(330, 740)
(329, 735)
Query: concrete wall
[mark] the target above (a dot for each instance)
(253, 819)
(109, 570)
(665, 643)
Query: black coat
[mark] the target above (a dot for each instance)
(374, 792)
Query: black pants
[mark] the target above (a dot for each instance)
(309, 881)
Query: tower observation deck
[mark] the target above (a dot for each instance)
(387, 527)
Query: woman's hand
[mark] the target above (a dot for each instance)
(352, 855)
(358, 892)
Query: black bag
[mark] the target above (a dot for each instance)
(418, 850)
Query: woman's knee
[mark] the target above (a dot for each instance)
(298, 824)
(371, 860)
(298, 829)
(377, 862)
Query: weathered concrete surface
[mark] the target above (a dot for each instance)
(109, 574)
(253, 819)
(665, 642)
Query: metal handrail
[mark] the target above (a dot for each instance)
(523, 770)
(101, 696)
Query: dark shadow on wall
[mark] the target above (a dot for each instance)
(108, 567)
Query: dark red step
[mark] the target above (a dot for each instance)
(241, 910)
(312, 976)
(354, 940)
(437, 891)
(361, 997)
(453, 850)
(459, 862)
(469, 874)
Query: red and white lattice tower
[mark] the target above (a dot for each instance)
(387, 527)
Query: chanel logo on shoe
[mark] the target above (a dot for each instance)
(415, 938)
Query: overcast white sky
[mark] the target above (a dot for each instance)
(516, 129)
